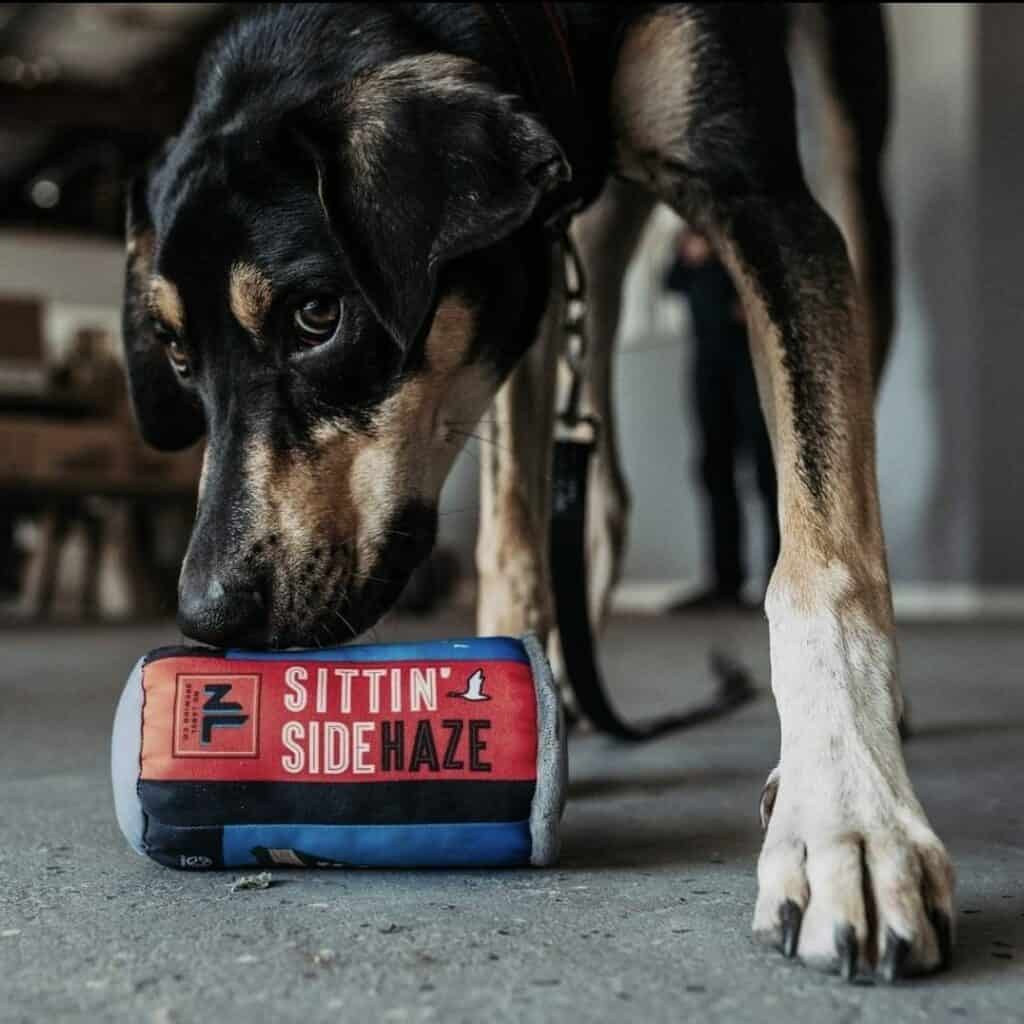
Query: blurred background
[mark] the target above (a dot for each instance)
(93, 523)
(651, 901)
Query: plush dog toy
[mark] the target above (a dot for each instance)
(447, 753)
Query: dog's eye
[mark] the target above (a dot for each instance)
(175, 349)
(317, 319)
(178, 357)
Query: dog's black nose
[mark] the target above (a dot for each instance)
(221, 615)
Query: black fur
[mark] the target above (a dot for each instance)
(394, 198)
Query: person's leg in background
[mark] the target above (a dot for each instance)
(714, 401)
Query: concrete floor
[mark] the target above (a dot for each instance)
(645, 919)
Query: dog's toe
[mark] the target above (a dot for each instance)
(834, 935)
(782, 896)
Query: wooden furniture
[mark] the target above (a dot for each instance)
(64, 448)
(45, 456)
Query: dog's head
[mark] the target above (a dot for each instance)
(332, 293)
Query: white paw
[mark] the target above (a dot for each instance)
(852, 878)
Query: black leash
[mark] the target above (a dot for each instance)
(575, 439)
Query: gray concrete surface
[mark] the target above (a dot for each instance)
(645, 919)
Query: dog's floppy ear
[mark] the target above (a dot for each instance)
(169, 417)
(420, 162)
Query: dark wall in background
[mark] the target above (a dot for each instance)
(999, 338)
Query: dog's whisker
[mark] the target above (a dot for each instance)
(344, 621)
(365, 577)
(480, 438)
(458, 511)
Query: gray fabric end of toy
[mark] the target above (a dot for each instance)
(125, 756)
(552, 759)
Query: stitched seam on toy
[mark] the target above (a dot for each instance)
(142, 741)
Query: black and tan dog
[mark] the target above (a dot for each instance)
(341, 262)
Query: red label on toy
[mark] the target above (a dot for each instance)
(216, 715)
(319, 721)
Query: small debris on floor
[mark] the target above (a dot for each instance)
(389, 929)
(246, 883)
(9, 933)
(324, 957)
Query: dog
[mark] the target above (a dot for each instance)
(343, 260)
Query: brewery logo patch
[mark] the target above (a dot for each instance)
(216, 716)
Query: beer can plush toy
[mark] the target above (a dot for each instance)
(440, 754)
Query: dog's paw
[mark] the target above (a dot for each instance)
(853, 893)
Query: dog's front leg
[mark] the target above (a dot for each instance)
(851, 874)
(514, 593)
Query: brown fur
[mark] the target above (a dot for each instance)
(250, 297)
(369, 98)
(650, 93)
(165, 304)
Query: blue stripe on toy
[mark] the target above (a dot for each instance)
(485, 648)
(468, 844)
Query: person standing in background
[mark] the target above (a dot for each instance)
(729, 420)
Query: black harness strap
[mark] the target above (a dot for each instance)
(545, 71)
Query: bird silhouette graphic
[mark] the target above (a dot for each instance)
(474, 688)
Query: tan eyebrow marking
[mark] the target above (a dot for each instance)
(250, 297)
(165, 304)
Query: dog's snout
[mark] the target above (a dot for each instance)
(222, 613)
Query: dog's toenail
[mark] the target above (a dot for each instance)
(767, 804)
(944, 934)
(894, 960)
(790, 916)
(846, 948)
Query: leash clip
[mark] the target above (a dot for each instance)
(570, 423)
